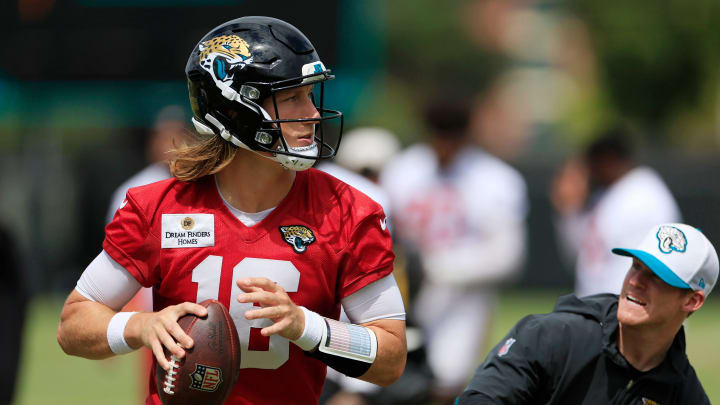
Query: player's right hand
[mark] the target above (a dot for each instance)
(160, 329)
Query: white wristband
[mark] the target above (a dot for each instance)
(116, 332)
(314, 326)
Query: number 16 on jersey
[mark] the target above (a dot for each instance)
(284, 273)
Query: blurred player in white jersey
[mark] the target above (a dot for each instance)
(464, 211)
(168, 130)
(364, 153)
(605, 200)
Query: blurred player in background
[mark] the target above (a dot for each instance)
(169, 130)
(606, 200)
(246, 220)
(364, 153)
(606, 349)
(463, 211)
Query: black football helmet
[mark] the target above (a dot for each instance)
(236, 66)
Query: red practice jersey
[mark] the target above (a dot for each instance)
(324, 241)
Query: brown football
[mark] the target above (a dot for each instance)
(209, 370)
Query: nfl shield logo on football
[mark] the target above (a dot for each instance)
(206, 378)
(506, 347)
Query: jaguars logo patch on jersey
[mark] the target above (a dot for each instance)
(297, 236)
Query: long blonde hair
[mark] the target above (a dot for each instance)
(202, 156)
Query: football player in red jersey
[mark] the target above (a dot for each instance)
(247, 221)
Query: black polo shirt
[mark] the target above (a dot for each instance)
(570, 356)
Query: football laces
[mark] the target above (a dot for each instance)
(168, 385)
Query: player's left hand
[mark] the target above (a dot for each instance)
(288, 319)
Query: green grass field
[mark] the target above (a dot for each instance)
(48, 376)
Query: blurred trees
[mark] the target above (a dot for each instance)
(659, 62)
(425, 50)
(655, 64)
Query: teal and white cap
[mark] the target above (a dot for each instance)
(680, 255)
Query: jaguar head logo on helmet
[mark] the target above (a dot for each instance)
(237, 67)
(222, 55)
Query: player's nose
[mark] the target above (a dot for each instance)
(309, 109)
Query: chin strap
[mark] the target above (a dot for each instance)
(298, 163)
(293, 163)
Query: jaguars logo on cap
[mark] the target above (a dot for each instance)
(671, 239)
(297, 236)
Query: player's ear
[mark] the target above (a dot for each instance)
(693, 301)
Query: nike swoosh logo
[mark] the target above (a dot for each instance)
(123, 204)
(383, 225)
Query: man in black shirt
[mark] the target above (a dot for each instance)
(609, 349)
